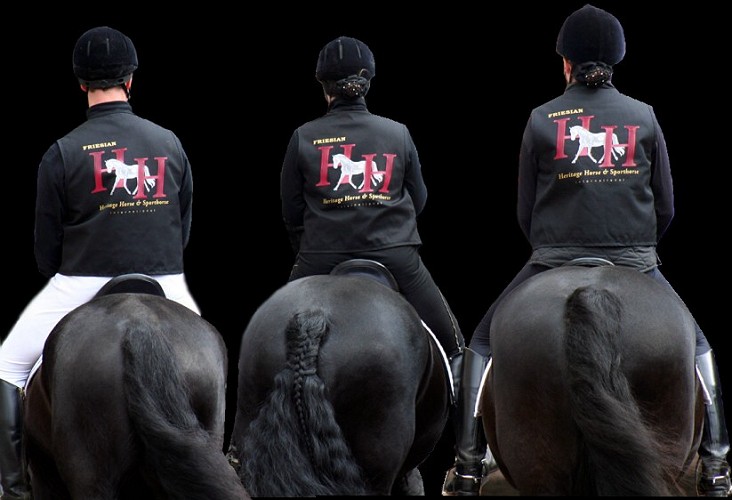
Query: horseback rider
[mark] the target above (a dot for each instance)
(84, 234)
(329, 220)
(568, 210)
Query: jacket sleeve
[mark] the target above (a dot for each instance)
(527, 174)
(292, 193)
(50, 212)
(662, 184)
(413, 179)
(185, 196)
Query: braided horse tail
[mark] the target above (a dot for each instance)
(295, 445)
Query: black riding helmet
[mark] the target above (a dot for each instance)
(345, 67)
(591, 34)
(104, 58)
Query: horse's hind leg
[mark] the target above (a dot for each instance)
(46, 484)
(91, 467)
(411, 484)
(94, 485)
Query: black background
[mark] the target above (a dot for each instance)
(234, 84)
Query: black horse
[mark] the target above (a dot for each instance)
(129, 402)
(592, 388)
(341, 390)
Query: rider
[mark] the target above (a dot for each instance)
(371, 211)
(612, 200)
(84, 233)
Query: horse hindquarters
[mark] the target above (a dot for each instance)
(129, 414)
(621, 455)
(186, 458)
(592, 389)
(334, 390)
(296, 426)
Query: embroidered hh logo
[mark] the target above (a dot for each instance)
(138, 171)
(372, 176)
(613, 149)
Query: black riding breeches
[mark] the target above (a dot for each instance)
(414, 280)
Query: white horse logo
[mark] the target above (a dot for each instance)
(589, 140)
(124, 172)
(349, 168)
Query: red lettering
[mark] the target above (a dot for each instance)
(562, 136)
(145, 180)
(630, 152)
(325, 164)
(97, 160)
(371, 171)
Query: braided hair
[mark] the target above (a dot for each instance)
(351, 87)
(592, 73)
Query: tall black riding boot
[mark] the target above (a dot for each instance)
(456, 370)
(715, 472)
(12, 470)
(472, 456)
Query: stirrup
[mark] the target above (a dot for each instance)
(231, 458)
(489, 465)
(718, 484)
(460, 485)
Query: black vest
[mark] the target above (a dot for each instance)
(358, 179)
(127, 196)
(587, 159)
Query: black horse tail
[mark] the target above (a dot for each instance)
(177, 450)
(295, 447)
(620, 454)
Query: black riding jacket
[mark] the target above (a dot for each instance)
(594, 172)
(114, 197)
(353, 180)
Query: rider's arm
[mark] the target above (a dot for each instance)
(662, 184)
(50, 212)
(527, 172)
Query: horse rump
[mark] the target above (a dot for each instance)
(129, 403)
(187, 460)
(297, 425)
(622, 455)
(339, 390)
(592, 389)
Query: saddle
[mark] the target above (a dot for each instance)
(131, 283)
(367, 268)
